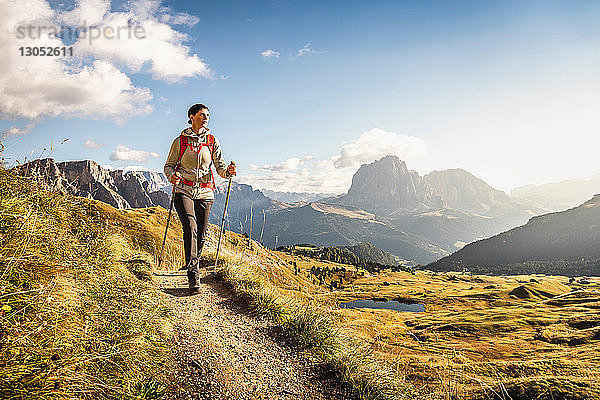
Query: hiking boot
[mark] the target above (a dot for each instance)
(193, 275)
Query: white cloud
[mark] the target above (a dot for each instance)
(90, 11)
(90, 84)
(376, 143)
(307, 49)
(334, 175)
(142, 35)
(37, 87)
(270, 54)
(148, 9)
(287, 165)
(124, 153)
(93, 145)
(320, 178)
(16, 131)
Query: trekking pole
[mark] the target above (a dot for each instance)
(222, 224)
(162, 249)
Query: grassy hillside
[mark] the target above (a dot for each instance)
(78, 317)
(564, 243)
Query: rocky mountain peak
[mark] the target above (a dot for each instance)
(84, 172)
(465, 192)
(387, 186)
(89, 179)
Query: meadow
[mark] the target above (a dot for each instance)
(526, 336)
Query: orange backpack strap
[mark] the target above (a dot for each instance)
(210, 141)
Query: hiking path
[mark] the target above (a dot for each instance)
(225, 351)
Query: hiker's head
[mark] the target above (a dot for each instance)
(198, 116)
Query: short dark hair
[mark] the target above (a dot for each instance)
(194, 109)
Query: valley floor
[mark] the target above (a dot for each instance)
(526, 337)
(480, 337)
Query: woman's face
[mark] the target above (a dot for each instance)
(200, 120)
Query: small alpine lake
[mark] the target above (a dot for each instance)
(387, 305)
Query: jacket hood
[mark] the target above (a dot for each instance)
(189, 132)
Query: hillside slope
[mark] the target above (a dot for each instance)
(563, 243)
(78, 315)
(324, 224)
(83, 314)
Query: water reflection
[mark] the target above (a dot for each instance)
(387, 305)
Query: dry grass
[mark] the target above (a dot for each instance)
(485, 337)
(481, 337)
(267, 284)
(75, 321)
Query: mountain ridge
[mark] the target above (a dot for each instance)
(563, 242)
(87, 178)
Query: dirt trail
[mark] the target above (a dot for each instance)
(226, 352)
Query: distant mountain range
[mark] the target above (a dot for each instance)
(325, 224)
(89, 179)
(138, 189)
(413, 217)
(416, 218)
(295, 197)
(387, 187)
(565, 243)
(558, 196)
(244, 203)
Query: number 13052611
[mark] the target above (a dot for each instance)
(46, 51)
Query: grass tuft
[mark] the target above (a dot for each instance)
(78, 318)
(316, 330)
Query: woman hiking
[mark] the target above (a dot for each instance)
(188, 167)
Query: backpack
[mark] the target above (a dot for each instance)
(183, 144)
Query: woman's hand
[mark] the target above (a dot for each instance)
(231, 169)
(175, 178)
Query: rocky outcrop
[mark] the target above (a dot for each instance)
(156, 180)
(46, 173)
(387, 186)
(465, 192)
(132, 188)
(88, 179)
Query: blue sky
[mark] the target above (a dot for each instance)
(302, 93)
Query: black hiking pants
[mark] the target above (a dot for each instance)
(193, 215)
